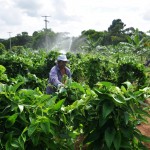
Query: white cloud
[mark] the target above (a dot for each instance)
(72, 16)
(146, 15)
(9, 15)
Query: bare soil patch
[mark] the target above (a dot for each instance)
(145, 128)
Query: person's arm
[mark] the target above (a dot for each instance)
(54, 77)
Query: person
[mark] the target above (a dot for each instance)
(56, 74)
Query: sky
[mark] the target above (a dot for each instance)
(72, 16)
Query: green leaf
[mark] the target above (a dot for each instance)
(2, 69)
(92, 136)
(142, 138)
(64, 118)
(107, 84)
(132, 96)
(8, 146)
(142, 112)
(15, 87)
(118, 98)
(102, 122)
(117, 141)
(127, 132)
(45, 126)
(32, 129)
(11, 120)
(109, 136)
(23, 136)
(53, 121)
(129, 39)
(126, 117)
(77, 86)
(15, 144)
(35, 139)
(21, 142)
(50, 144)
(145, 139)
(2, 87)
(22, 116)
(58, 105)
(51, 101)
(107, 108)
(129, 85)
(123, 89)
(136, 39)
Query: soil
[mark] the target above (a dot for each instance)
(145, 128)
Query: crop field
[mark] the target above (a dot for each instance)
(103, 107)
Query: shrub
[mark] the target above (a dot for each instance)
(2, 48)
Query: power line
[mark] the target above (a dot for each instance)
(46, 21)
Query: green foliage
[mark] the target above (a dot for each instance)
(30, 81)
(117, 26)
(93, 68)
(3, 76)
(105, 113)
(138, 44)
(14, 64)
(108, 116)
(115, 32)
(22, 39)
(88, 68)
(99, 69)
(92, 39)
(2, 69)
(131, 72)
(30, 120)
(18, 49)
(78, 67)
(43, 39)
(89, 39)
(2, 48)
(50, 61)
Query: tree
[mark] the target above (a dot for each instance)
(22, 39)
(138, 43)
(129, 31)
(43, 39)
(116, 27)
(88, 40)
(115, 32)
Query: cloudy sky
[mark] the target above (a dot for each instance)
(71, 16)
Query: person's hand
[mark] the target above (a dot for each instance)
(61, 88)
(60, 85)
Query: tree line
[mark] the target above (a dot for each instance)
(48, 39)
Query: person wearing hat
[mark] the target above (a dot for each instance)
(56, 74)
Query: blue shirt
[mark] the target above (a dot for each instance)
(55, 78)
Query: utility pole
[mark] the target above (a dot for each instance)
(46, 36)
(46, 21)
(10, 39)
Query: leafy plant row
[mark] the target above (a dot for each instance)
(99, 109)
(85, 67)
(106, 117)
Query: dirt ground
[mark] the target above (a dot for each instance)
(145, 128)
